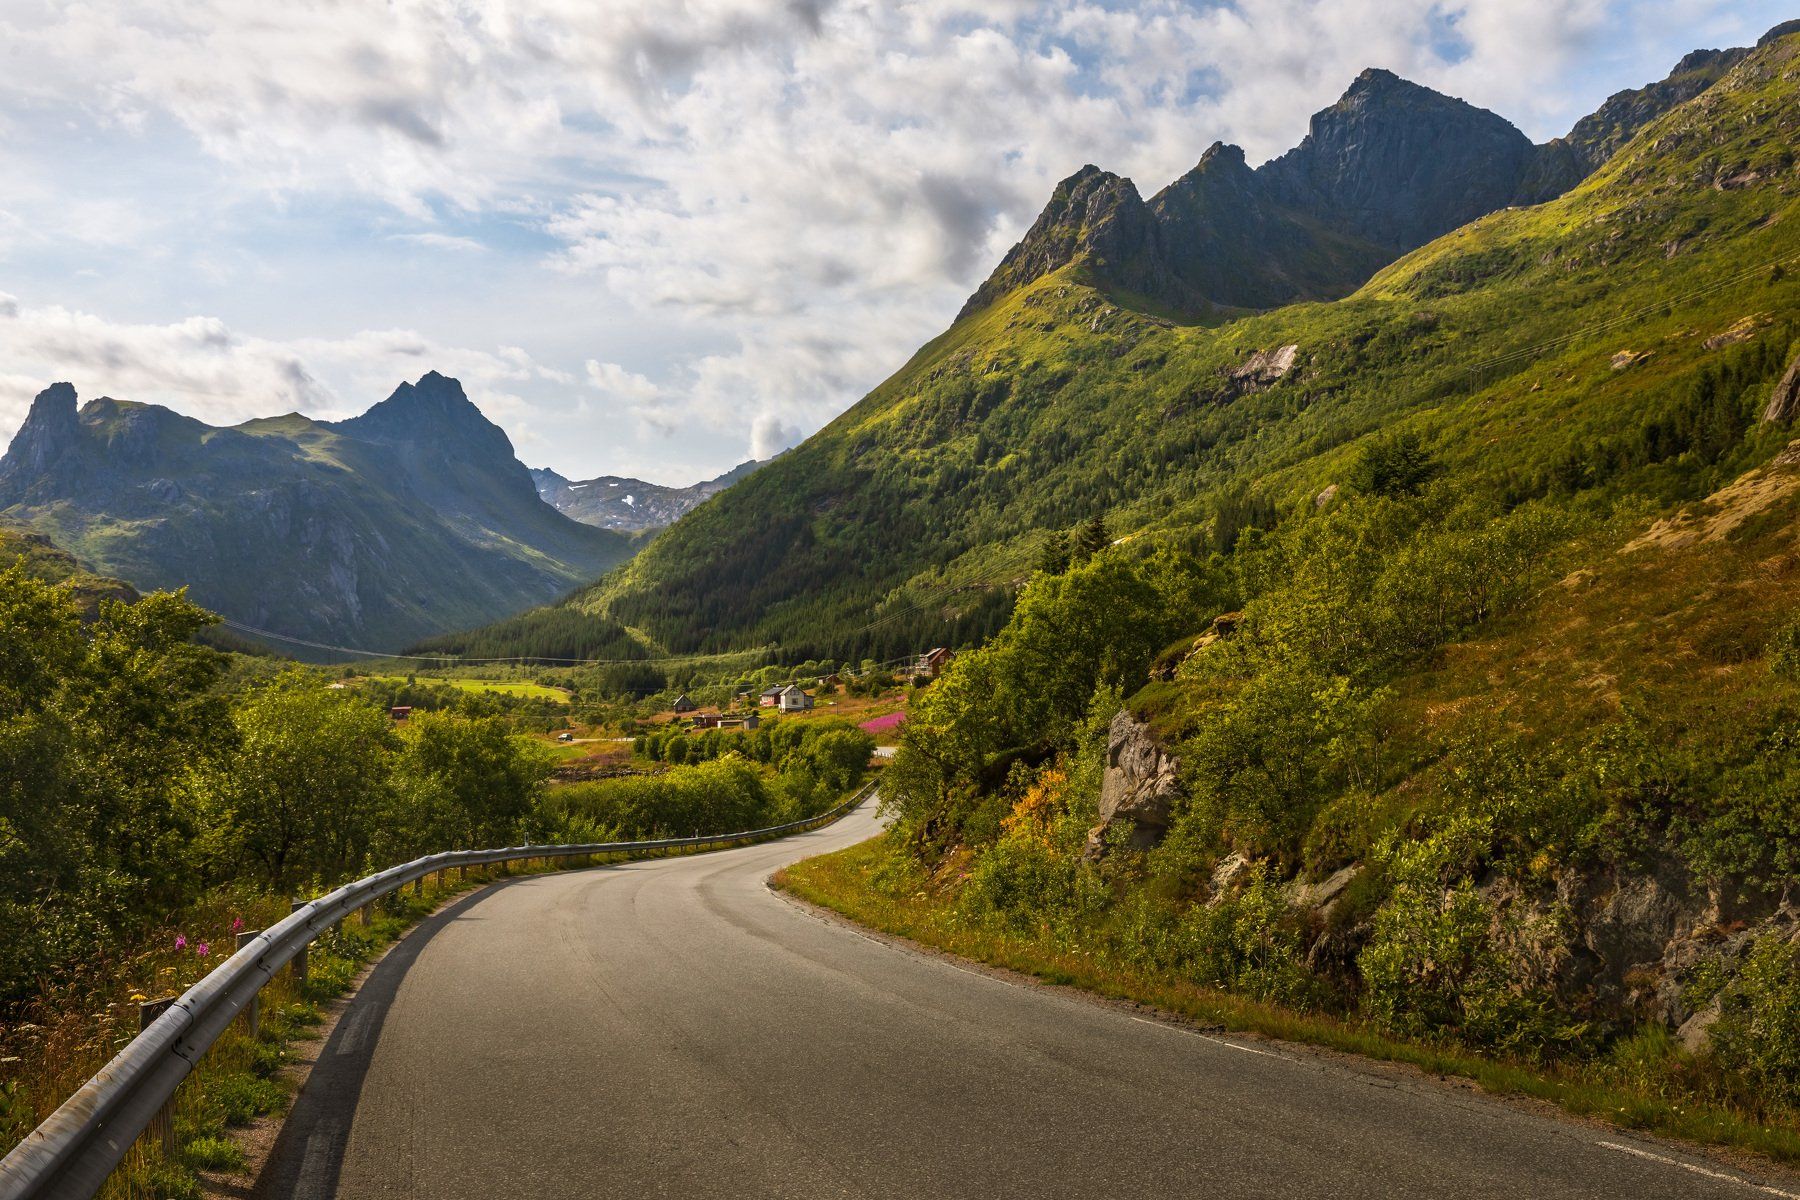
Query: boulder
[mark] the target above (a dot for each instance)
(1138, 789)
(1695, 1033)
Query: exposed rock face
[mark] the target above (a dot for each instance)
(1097, 218)
(1265, 367)
(49, 430)
(1784, 401)
(1387, 168)
(1138, 789)
(1396, 164)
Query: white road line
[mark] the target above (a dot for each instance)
(1698, 1170)
(1221, 1041)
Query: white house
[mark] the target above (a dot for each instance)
(792, 699)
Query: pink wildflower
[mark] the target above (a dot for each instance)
(237, 924)
(201, 949)
(181, 941)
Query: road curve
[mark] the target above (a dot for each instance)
(673, 1028)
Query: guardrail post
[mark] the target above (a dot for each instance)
(366, 914)
(300, 958)
(252, 1012)
(161, 1125)
(419, 886)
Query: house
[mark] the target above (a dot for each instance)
(771, 695)
(932, 662)
(706, 721)
(746, 722)
(400, 712)
(684, 705)
(794, 700)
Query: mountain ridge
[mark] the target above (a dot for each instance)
(372, 532)
(629, 505)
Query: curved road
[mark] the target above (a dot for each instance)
(673, 1028)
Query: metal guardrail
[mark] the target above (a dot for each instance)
(71, 1154)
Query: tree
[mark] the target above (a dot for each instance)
(1053, 557)
(466, 783)
(1090, 539)
(1394, 466)
(312, 779)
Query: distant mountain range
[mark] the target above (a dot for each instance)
(371, 533)
(630, 505)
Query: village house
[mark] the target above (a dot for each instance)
(771, 695)
(792, 699)
(932, 662)
(746, 722)
(684, 705)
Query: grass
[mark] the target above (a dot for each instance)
(509, 687)
(849, 882)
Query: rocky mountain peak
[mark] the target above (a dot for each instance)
(1397, 164)
(433, 411)
(50, 428)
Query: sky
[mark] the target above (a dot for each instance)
(651, 237)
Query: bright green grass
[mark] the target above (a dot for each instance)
(509, 687)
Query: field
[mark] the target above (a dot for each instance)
(510, 687)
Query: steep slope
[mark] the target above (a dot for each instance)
(910, 517)
(407, 520)
(630, 505)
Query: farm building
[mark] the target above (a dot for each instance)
(684, 705)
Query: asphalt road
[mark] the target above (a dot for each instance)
(673, 1028)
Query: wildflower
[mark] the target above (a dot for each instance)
(202, 949)
(181, 941)
(138, 997)
(237, 924)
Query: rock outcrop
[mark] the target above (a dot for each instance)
(1138, 790)
(1784, 401)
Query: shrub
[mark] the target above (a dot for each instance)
(1758, 1031)
(214, 1152)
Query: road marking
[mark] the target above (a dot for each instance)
(1221, 1041)
(1698, 1170)
(355, 1030)
(315, 1164)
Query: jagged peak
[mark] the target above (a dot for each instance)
(421, 411)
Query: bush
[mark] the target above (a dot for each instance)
(214, 1152)
(1758, 1031)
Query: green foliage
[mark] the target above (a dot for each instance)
(1758, 1030)
(1394, 466)
(1442, 960)
(214, 1152)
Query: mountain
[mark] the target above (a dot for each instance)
(368, 533)
(629, 505)
(1386, 169)
(1069, 390)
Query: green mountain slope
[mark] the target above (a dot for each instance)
(368, 533)
(911, 517)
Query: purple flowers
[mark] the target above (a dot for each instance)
(237, 924)
(181, 941)
(201, 949)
